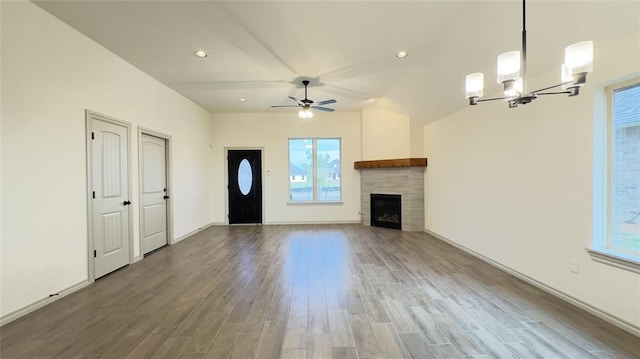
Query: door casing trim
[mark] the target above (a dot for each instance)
(89, 116)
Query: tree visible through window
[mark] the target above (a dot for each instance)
(625, 170)
(314, 170)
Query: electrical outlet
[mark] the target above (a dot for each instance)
(573, 265)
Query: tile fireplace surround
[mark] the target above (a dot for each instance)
(400, 176)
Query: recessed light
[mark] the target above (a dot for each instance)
(401, 54)
(371, 99)
(243, 99)
(200, 53)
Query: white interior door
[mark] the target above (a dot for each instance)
(109, 162)
(153, 176)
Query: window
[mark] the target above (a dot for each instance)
(314, 170)
(625, 170)
(618, 235)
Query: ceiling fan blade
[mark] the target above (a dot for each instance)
(326, 102)
(323, 108)
(296, 100)
(285, 106)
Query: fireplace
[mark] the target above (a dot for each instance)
(402, 176)
(386, 210)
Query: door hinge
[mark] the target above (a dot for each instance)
(95, 253)
(93, 136)
(94, 194)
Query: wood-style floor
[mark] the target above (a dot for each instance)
(325, 291)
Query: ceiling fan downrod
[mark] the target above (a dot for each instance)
(305, 83)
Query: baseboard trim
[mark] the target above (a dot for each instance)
(200, 229)
(310, 222)
(618, 322)
(63, 293)
(42, 302)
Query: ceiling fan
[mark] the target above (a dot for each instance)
(307, 104)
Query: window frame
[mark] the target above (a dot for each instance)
(603, 247)
(314, 170)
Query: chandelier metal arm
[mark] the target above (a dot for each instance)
(550, 87)
(493, 99)
(475, 99)
(554, 93)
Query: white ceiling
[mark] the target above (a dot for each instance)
(261, 50)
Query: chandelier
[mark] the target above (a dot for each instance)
(512, 73)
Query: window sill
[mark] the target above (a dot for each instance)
(614, 259)
(307, 203)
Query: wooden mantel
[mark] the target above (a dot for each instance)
(393, 163)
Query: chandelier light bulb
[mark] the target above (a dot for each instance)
(508, 66)
(564, 74)
(475, 84)
(513, 88)
(578, 57)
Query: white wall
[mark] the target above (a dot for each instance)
(271, 132)
(50, 75)
(385, 134)
(416, 134)
(515, 185)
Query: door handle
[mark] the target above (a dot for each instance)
(165, 197)
(126, 203)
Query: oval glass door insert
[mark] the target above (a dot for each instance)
(245, 177)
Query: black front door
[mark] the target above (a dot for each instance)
(245, 186)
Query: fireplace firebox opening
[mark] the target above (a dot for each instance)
(386, 210)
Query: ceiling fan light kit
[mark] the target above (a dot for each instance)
(306, 105)
(305, 114)
(512, 73)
